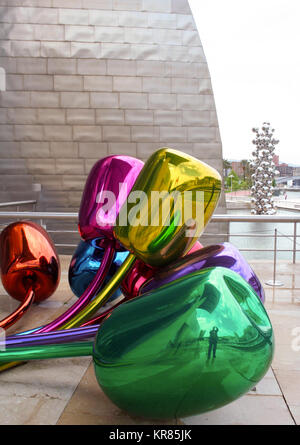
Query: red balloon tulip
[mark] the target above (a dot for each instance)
(29, 265)
(141, 273)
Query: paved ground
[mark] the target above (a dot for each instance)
(65, 391)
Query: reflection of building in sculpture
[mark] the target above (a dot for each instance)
(186, 340)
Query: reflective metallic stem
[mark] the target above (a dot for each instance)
(48, 351)
(103, 296)
(48, 338)
(19, 312)
(86, 296)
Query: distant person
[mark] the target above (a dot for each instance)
(285, 195)
(213, 341)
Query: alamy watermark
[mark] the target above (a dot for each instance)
(159, 208)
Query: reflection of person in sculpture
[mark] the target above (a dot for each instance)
(213, 340)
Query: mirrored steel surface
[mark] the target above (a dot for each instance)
(45, 351)
(28, 260)
(101, 298)
(224, 255)
(85, 263)
(12, 318)
(141, 273)
(65, 336)
(87, 295)
(191, 346)
(168, 171)
(107, 187)
(97, 216)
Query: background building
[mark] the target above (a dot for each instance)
(237, 167)
(296, 171)
(89, 78)
(284, 169)
(276, 159)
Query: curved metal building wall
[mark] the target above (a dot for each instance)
(88, 78)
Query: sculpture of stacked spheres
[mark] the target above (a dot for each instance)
(193, 334)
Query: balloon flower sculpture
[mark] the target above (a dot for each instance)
(194, 335)
(111, 176)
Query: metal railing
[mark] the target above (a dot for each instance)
(18, 204)
(42, 217)
(246, 198)
(295, 219)
(73, 216)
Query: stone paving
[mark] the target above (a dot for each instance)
(65, 391)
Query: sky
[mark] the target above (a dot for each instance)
(253, 52)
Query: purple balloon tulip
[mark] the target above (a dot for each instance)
(223, 255)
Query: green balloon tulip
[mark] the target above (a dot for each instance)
(188, 347)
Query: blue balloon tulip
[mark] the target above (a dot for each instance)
(85, 263)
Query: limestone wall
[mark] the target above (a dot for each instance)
(88, 78)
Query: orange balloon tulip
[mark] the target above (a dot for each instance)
(29, 265)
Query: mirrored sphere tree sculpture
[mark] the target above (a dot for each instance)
(263, 170)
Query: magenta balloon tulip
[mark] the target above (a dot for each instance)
(107, 187)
